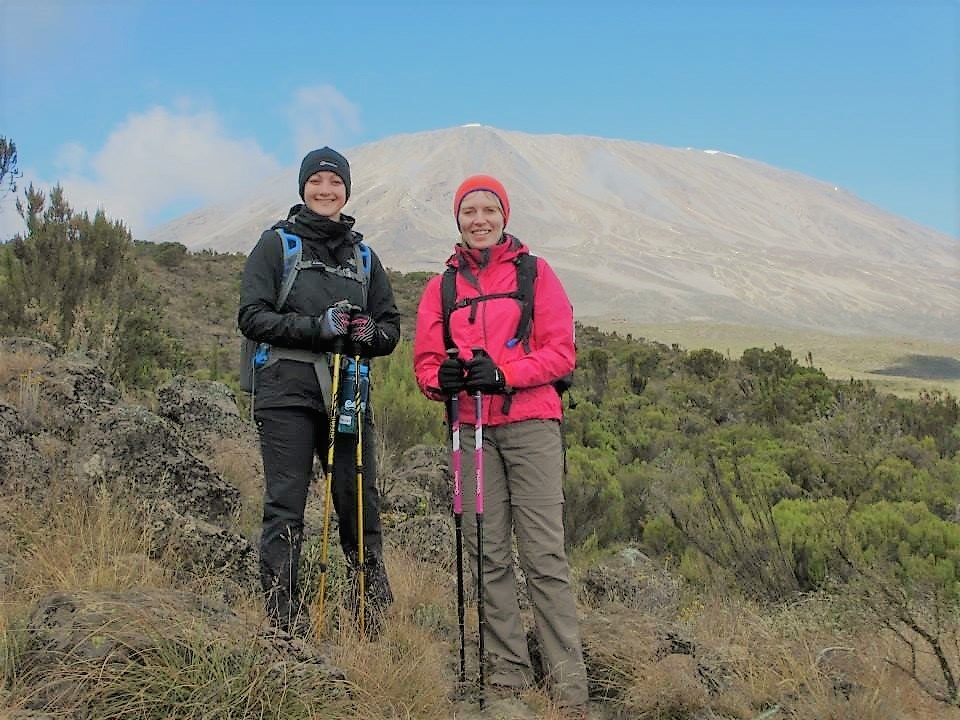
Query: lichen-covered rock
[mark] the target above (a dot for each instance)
(421, 483)
(224, 562)
(429, 538)
(22, 468)
(634, 581)
(27, 346)
(73, 390)
(131, 450)
(206, 411)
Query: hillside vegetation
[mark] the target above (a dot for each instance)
(801, 517)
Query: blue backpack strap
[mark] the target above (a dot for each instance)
(292, 253)
(292, 264)
(364, 260)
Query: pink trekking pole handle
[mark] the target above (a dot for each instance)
(455, 443)
(478, 451)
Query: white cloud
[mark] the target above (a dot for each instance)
(170, 160)
(322, 115)
(159, 159)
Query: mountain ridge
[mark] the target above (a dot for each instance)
(640, 232)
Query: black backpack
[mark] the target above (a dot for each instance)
(526, 265)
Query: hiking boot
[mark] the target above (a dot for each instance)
(377, 584)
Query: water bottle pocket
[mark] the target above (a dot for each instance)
(347, 420)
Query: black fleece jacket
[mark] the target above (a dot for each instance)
(295, 325)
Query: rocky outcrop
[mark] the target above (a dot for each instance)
(22, 468)
(421, 484)
(136, 452)
(206, 413)
(72, 391)
(136, 455)
(633, 580)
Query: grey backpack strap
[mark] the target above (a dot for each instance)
(320, 362)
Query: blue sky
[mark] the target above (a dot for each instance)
(154, 108)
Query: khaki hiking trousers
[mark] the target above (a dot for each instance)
(523, 482)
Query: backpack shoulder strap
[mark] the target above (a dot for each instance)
(292, 253)
(526, 276)
(448, 301)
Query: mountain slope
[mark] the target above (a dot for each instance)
(640, 232)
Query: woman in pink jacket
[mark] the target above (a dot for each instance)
(523, 454)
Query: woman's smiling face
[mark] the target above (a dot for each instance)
(481, 219)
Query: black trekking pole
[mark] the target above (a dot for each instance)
(453, 419)
(478, 463)
(361, 558)
(328, 499)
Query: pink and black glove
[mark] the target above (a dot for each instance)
(483, 375)
(363, 329)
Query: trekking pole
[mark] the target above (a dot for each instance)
(328, 500)
(361, 559)
(453, 419)
(478, 466)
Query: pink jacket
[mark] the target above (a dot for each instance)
(529, 374)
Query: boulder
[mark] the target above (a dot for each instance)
(72, 391)
(135, 452)
(206, 411)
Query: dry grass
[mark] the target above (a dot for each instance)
(15, 364)
(810, 661)
(19, 382)
(77, 540)
(407, 673)
(240, 465)
(807, 660)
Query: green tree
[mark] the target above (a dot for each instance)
(706, 364)
(404, 416)
(73, 281)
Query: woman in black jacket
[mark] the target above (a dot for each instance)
(323, 311)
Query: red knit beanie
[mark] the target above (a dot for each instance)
(481, 182)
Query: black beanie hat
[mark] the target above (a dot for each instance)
(325, 159)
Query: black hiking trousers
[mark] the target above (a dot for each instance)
(290, 438)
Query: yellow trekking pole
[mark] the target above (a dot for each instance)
(328, 501)
(361, 559)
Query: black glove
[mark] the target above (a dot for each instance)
(363, 329)
(335, 321)
(451, 376)
(483, 375)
